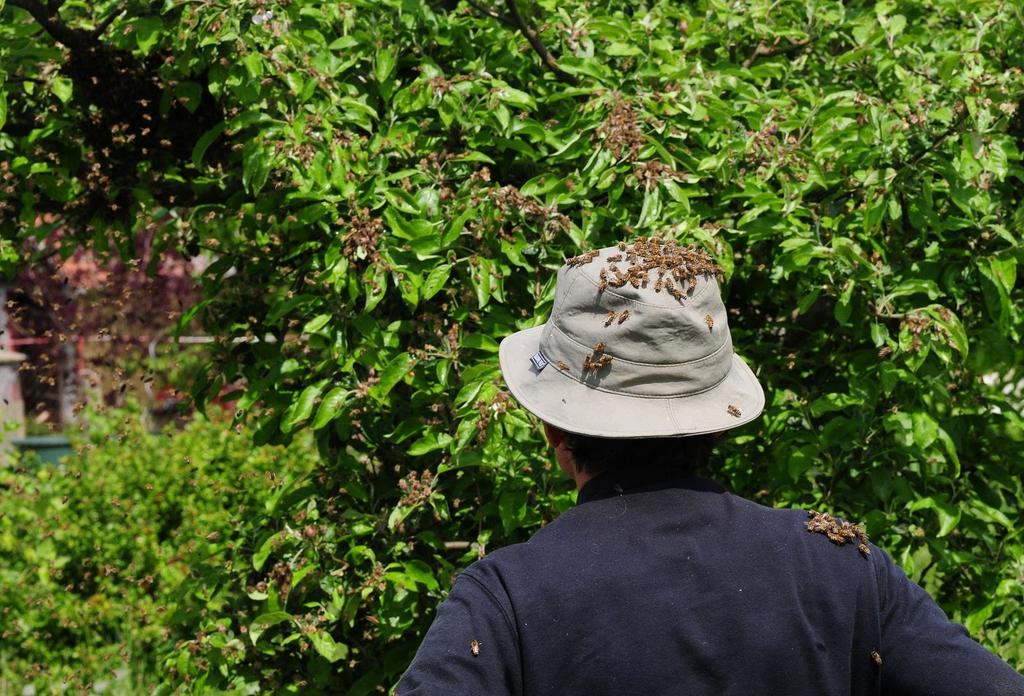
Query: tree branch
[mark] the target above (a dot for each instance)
(21, 78)
(52, 23)
(534, 38)
(937, 141)
(775, 49)
(492, 14)
(102, 26)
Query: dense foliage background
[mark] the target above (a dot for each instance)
(387, 188)
(121, 559)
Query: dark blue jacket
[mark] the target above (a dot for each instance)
(653, 586)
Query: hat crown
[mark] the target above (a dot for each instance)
(640, 321)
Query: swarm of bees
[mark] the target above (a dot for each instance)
(582, 259)
(677, 267)
(838, 531)
(598, 359)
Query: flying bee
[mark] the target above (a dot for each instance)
(876, 657)
(624, 316)
(474, 647)
(733, 411)
(710, 321)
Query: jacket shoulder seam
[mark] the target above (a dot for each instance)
(480, 583)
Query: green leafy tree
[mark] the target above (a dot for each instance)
(387, 189)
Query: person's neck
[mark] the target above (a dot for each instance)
(622, 480)
(581, 478)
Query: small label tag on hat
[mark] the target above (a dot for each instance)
(539, 361)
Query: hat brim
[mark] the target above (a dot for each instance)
(559, 399)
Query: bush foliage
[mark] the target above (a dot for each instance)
(115, 562)
(387, 188)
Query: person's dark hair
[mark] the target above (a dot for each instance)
(597, 454)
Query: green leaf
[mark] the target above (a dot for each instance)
(255, 167)
(285, 305)
(420, 573)
(147, 32)
(392, 374)
(512, 507)
(948, 514)
(896, 24)
(833, 402)
(331, 405)
(435, 280)
(807, 300)
(843, 307)
(915, 286)
(458, 224)
(950, 447)
(925, 429)
(951, 323)
(991, 515)
(408, 229)
(62, 87)
(430, 442)
(480, 341)
(262, 622)
(301, 408)
(623, 49)
(204, 142)
(480, 278)
(1004, 271)
(324, 644)
(316, 323)
(375, 283)
(385, 65)
(510, 95)
(189, 94)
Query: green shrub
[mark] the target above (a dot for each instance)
(389, 187)
(112, 560)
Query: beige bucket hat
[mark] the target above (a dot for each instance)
(637, 346)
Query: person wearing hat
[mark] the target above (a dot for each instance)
(660, 582)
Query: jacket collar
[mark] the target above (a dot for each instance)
(623, 480)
